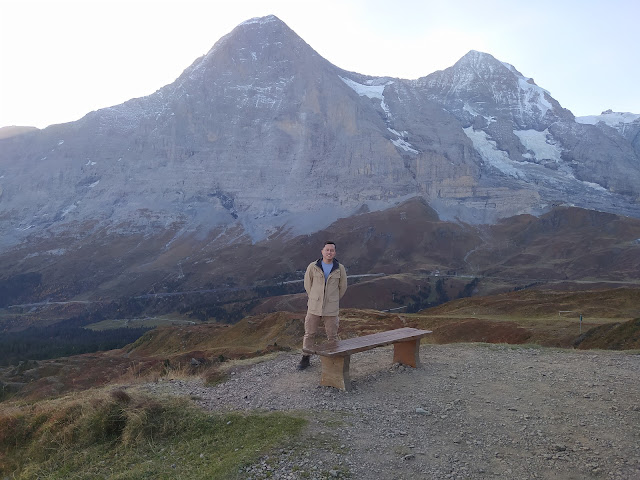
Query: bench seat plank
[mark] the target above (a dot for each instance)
(367, 342)
(336, 356)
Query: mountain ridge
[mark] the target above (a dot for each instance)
(262, 139)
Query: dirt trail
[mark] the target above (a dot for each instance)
(470, 412)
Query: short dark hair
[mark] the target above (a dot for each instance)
(329, 242)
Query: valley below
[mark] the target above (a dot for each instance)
(557, 316)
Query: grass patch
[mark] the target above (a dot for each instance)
(119, 435)
(617, 336)
(146, 322)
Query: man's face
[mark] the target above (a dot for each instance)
(328, 252)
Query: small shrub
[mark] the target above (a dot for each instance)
(106, 421)
(214, 376)
(120, 396)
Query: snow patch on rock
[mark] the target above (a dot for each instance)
(371, 91)
(613, 119)
(540, 143)
(490, 154)
(400, 142)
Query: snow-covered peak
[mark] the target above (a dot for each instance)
(477, 64)
(608, 117)
(475, 56)
(471, 72)
(528, 85)
(480, 84)
(261, 20)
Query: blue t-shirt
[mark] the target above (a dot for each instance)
(327, 269)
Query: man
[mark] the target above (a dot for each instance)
(325, 282)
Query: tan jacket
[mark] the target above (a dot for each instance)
(324, 298)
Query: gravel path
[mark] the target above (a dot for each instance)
(470, 412)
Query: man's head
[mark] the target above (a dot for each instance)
(328, 251)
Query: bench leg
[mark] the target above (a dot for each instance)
(407, 353)
(335, 372)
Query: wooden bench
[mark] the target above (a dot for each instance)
(336, 356)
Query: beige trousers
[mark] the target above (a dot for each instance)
(311, 323)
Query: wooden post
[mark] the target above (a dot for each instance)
(335, 372)
(407, 353)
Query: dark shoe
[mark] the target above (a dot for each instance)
(304, 363)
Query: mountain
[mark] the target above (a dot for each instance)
(625, 123)
(521, 131)
(262, 142)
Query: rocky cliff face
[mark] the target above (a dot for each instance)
(521, 132)
(262, 136)
(626, 124)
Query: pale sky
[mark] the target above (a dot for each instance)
(60, 59)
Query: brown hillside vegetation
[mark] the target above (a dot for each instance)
(474, 330)
(600, 303)
(395, 253)
(542, 316)
(617, 336)
(564, 244)
(535, 316)
(249, 337)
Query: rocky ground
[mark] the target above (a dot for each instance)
(471, 411)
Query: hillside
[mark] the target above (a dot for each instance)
(393, 254)
(534, 316)
(250, 366)
(470, 411)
